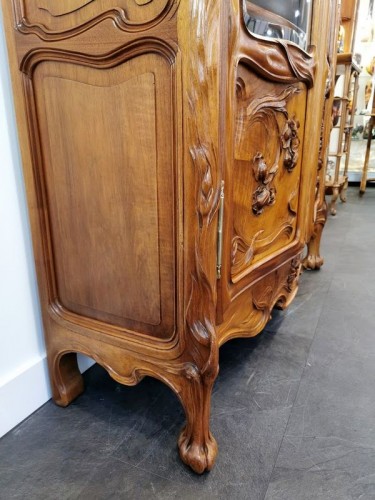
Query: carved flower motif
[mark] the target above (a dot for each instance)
(290, 143)
(265, 194)
(295, 268)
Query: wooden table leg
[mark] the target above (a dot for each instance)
(362, 188)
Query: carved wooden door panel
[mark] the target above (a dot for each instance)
(266, 169)
(264, 217)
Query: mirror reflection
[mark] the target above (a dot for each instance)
(287, 19)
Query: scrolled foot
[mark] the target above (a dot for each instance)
(335, 195)
(66, 379)
(313, 262)
(344, 190)
(200, 456)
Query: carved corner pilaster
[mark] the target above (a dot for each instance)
(198, 448)
(290, 286)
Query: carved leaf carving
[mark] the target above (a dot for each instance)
(291, 284)
(295, 268)
(244, 251)
(260, 110)
(263, 301)
(251, 310)
(292, 203)
(264, 110)
(201, 310)
(290, 143)
(240, 246)
(268, 112)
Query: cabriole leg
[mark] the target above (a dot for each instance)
(344, 190)
(313, 260)
(197, 446)
(335, 195)
(66, 379)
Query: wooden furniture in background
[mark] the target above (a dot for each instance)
(337, 184)
(313, 260)
(349, 16)
(170, 159)
(371, 124)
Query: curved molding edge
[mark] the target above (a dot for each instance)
(117, 15)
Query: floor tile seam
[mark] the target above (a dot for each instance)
(310, 470)
(295, 398)
(342, 441)
(137, 467)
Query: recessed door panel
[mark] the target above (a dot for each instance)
(106, 138)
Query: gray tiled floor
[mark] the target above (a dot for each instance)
(293, 410)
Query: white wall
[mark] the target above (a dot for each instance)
(24, 383)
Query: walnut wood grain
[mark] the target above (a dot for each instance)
(134, 116)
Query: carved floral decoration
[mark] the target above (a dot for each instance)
(290, 286)
(266, 110)
(265, 193)
(295, 268)
(201, 310)
(290, 143)
(244, 251)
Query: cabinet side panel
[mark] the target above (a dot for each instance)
(106, 165)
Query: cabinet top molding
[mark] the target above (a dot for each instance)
(52, 21)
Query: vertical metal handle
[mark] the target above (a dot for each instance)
(220, 233)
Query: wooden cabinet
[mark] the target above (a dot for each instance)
(348, 70)
(349, 15)
(313, 260)
(371, 124)
(337, 182)
(170, 158)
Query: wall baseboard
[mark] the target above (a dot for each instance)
(27, 391)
